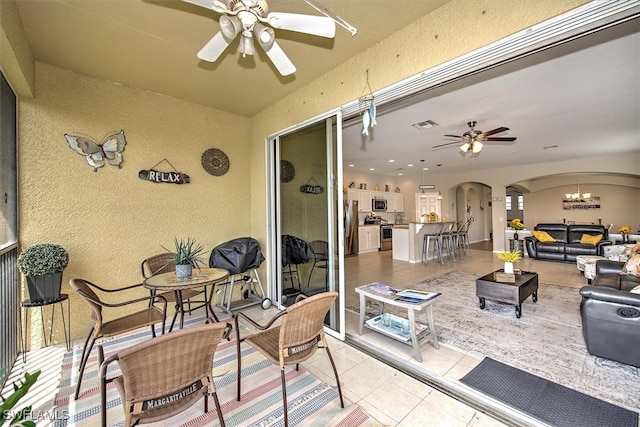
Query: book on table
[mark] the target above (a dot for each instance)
(415, 296)
(383, 289)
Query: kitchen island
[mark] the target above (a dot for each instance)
(408, 238)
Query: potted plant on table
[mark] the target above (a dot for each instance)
(517, 225)
(509, 258)
(625, 230)
(42, 265)
(186, 256)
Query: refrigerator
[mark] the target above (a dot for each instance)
(350, 227)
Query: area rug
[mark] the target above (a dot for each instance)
(549, 402)
(310, 401)
(546, 341)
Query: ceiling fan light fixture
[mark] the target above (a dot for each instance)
(230, 26)
(246, 46)
(439, 197)
(477, 146)
(465, 147)
(265, 35)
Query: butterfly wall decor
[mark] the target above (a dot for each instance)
(110, 148)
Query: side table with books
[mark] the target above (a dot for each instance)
(408, 331)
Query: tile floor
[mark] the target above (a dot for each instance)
(390, 396)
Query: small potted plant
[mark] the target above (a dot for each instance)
(625, 230)
(509, 258)
(517, 225)
(42, 265)
(186, 256)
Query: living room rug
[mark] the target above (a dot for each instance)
(547, 401)
(310, 401)
(546, 341)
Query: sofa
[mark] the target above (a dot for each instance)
(567, 241)
(611, 314)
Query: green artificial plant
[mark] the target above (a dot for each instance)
(20, 389)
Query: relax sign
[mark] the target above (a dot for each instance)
(165, 177)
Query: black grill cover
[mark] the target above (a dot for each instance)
(294, 250)
(237, 255)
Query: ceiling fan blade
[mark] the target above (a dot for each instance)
(333, 16)
(447, 144)
(501, 138)
(214, 48)
(214, 5)
(494, 131)
(279, 59)
(454, 136)
(309, 24)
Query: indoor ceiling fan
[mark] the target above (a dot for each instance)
(251, 20)
(473, 140)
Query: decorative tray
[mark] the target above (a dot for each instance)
(395, 327)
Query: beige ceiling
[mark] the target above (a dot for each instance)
(152, 45)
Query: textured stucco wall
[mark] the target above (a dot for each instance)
(110, 220)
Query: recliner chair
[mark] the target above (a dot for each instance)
(611, 323)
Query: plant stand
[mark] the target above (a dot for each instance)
(27, 304)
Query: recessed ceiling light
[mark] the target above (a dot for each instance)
(391, 161)
(410, 165)
(427, 124)
(372, 169)
(400, 174)
(425, 169)
(351, 165)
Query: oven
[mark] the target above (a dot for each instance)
(386, 235)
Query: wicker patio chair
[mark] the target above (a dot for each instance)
(164, 376)
(320, 255)
(165, 263)
(100, 328)
(294, 340)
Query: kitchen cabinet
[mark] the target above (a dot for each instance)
(363, 197)
(395, 202)
(368, 238)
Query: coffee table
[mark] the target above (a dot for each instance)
(526, 283)
(418, 332)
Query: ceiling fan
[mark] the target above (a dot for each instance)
(472, 140)
(251, 19)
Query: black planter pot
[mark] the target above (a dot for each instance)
(44, 288)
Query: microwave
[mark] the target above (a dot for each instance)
(379, 205)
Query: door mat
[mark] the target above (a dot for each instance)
(545, 400)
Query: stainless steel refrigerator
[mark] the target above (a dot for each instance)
(350, 227)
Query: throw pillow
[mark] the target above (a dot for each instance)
(543, 236)
(632, 266)
(588, 239)
(635, 290)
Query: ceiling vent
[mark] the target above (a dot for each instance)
(427, 124)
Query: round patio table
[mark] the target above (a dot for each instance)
(169, 282)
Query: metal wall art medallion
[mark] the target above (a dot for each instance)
(287, 171)
(215, 162)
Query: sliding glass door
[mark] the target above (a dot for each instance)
(305, 214)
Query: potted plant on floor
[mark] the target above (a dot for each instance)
(186, 256)
(42, 265)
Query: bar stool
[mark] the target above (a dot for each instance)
(27, 304)
(437, 244)
(448, 238)
(463, 235)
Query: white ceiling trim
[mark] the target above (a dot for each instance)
(590, 17)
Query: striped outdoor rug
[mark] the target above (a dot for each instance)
(310, 401)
